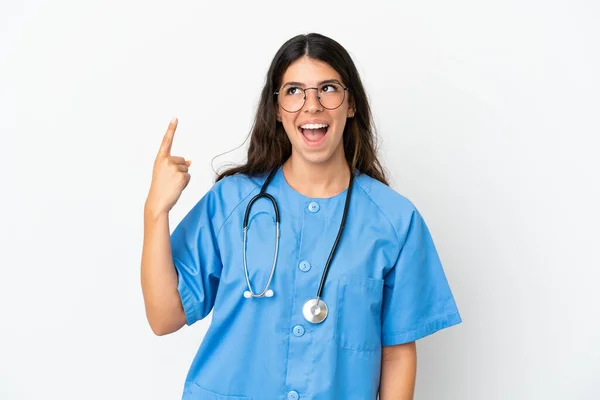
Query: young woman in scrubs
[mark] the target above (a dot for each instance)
(318, 292)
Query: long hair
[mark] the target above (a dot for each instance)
(269, 145)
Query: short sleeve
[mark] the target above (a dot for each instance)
(197, 260)
(417, 297)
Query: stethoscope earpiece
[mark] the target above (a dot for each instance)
(249, 295)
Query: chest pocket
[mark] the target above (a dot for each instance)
(358, 324)
(193, 391)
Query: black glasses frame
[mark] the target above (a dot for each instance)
(318, 97)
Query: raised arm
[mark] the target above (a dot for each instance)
(170, 177)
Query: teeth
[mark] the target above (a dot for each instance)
(314, 126)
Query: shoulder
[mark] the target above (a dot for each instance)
(391, 205)
(235, 188)
(229, 193)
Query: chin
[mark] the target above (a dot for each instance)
(317, 158)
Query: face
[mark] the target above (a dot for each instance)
(315, 131)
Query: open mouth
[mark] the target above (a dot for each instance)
(313, 133)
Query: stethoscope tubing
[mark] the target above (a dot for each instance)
(262, 194)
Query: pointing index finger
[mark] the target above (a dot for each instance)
(165, 147)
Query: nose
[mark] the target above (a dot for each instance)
(312, 103)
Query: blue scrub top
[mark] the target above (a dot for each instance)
(385, 286)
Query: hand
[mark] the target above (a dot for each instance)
(169, 177)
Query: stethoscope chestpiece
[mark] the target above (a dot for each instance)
(315, 311)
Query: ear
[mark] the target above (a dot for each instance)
(351, 108)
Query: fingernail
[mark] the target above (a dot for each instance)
(174, 119)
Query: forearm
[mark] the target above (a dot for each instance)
(398, 372)
(158, 276)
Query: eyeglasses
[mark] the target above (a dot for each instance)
(292, 98)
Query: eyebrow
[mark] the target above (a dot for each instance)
(318, 84)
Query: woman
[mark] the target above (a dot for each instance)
(335, 277)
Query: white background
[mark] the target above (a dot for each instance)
(488, 118)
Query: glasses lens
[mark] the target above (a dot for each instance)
(331, 95)
(291, 98)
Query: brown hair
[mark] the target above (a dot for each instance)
(269, 145)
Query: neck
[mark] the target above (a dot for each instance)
(317, 180)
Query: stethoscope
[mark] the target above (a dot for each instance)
(315, 310)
